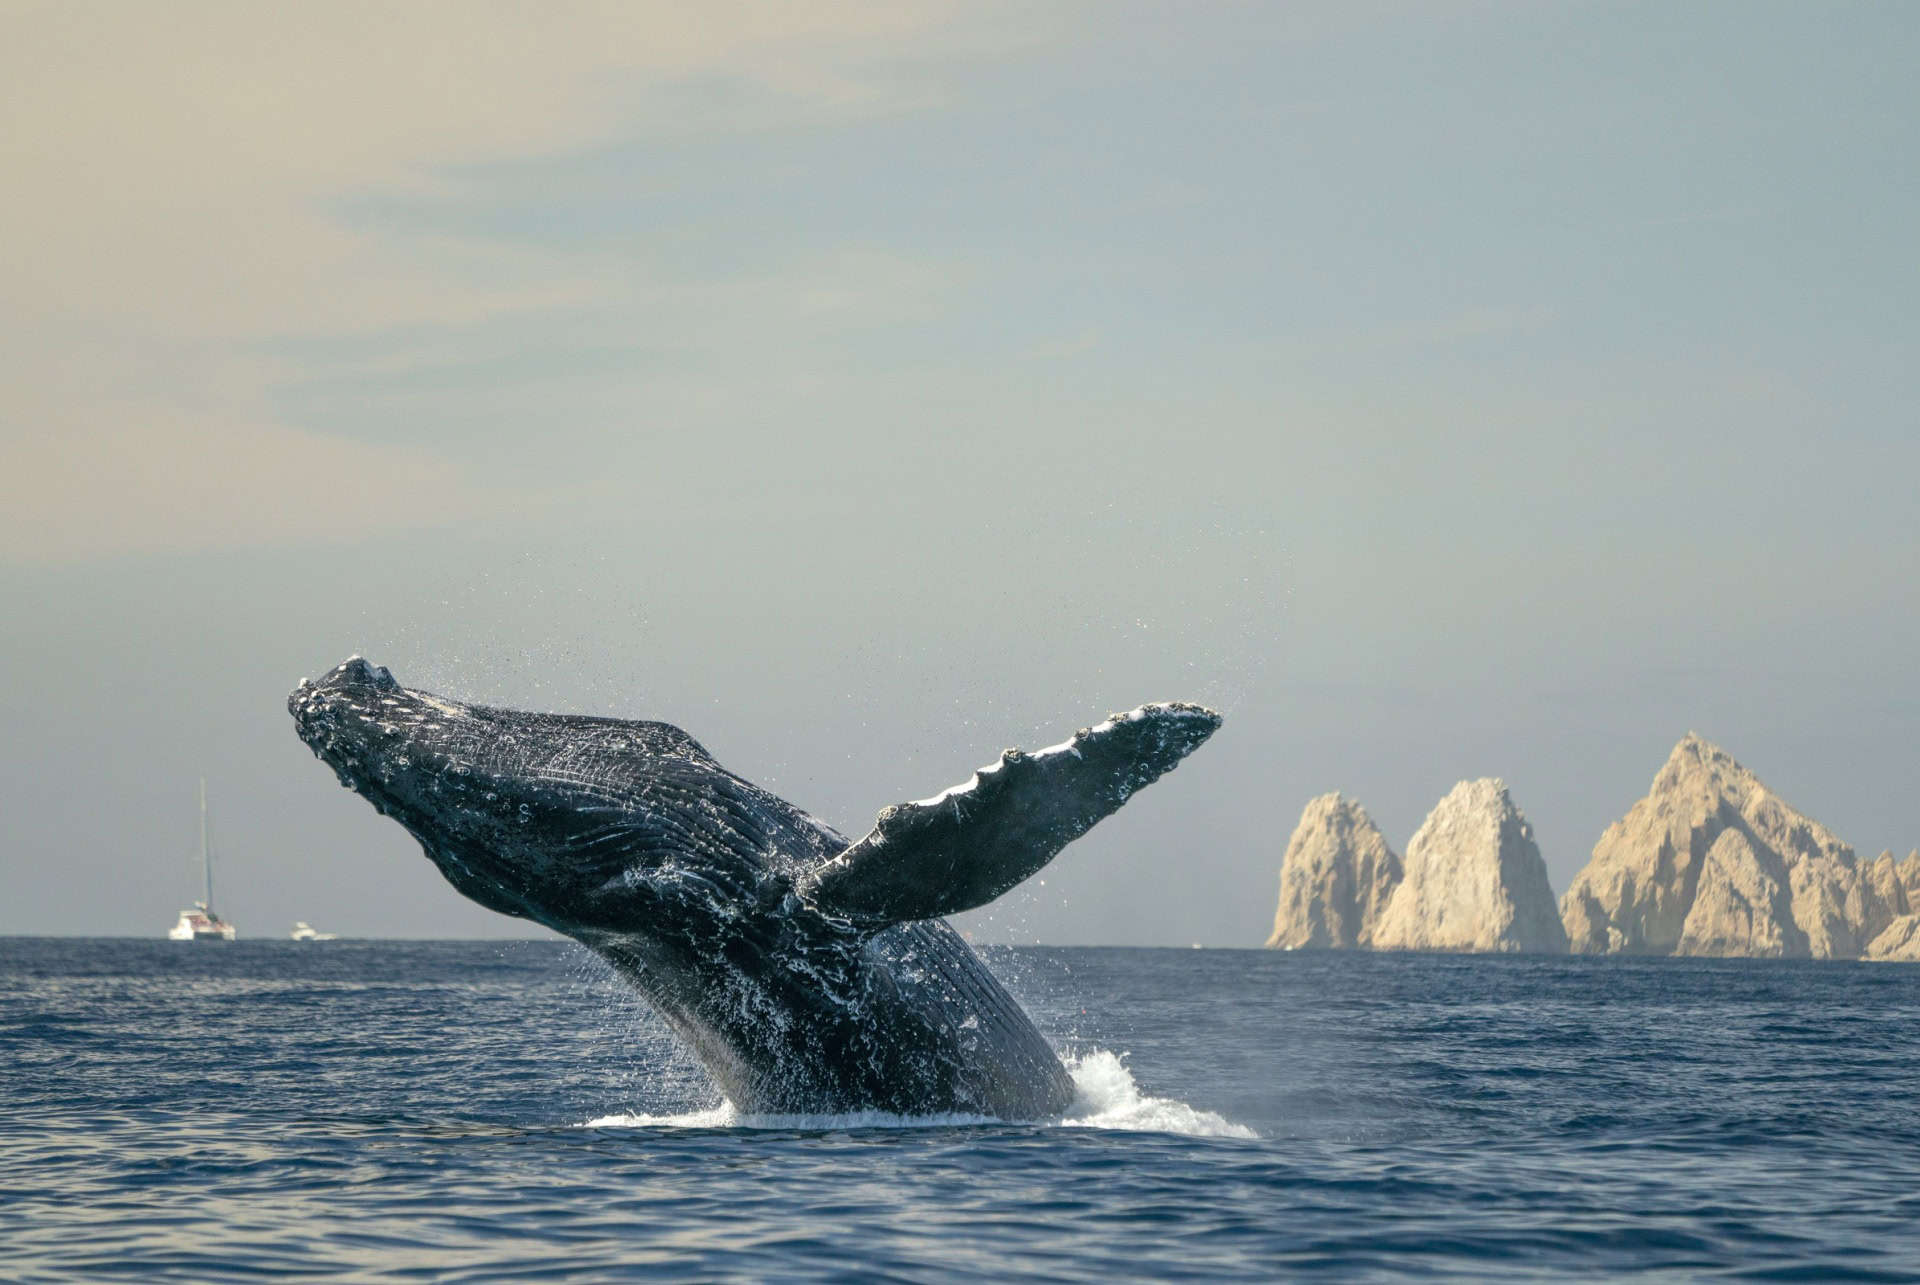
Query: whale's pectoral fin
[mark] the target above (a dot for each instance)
(963, 848)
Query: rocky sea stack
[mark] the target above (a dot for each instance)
(1712, 862)
(1335, 878)
(1472, 880)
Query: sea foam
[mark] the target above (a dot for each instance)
(1106, 1097)
(1110, 1098)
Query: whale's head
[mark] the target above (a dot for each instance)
(549, 817)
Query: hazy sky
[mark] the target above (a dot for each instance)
(1441, 390)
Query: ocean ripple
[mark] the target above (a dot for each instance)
(491, 1112)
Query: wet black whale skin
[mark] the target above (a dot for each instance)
(807, 974)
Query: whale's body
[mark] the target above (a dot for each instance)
(806, 973)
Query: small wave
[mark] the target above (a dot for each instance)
(1106, 1097)
(720, 1117)
(726, 1116)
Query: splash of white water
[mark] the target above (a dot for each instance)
(1106, 1097)
(1109, 1098)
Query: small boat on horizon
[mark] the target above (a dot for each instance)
(303, 931)
(202, 922)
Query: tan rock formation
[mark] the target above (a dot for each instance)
(1899, 942)
(1335, 878)
(1661, 880)
(1743, 905)
(1889, 899)
(1474, 881)
(1910, 878)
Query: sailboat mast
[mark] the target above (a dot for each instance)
(206, 853)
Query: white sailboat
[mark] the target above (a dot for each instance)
(202, 922)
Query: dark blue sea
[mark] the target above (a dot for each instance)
(488, 1111)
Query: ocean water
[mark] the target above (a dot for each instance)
(488, 1111)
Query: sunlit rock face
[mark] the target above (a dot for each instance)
(1711, 862)
(1887, 898)
(1743, 905)
(1898, 884)
(1474, 881)
(1898, 942)
(1910, 879)
(1335, 878)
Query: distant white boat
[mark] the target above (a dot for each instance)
(202, 922)
(303, 931)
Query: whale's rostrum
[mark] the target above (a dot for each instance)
(807, 973)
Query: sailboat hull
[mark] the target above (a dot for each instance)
(199, 925)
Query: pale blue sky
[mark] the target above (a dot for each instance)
(1444, 390)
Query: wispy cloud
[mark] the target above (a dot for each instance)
(175, 176)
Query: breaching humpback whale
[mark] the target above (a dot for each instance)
(807, 973)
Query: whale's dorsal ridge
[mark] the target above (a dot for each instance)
(969, 844)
